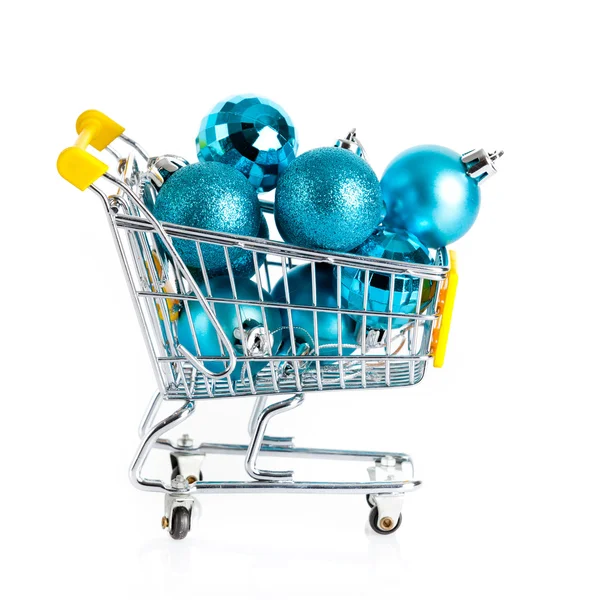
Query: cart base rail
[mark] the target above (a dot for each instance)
(390, 475)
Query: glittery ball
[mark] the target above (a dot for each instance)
(400, 246)
(328, 199)
(252, 134)
(210, 196)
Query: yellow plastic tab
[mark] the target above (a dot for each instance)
(96, 129)
(79, 167)
(445, 307)
(173, 306)
(75, 164)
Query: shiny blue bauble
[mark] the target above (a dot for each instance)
(427, 191)
(210, 196)
(252, 134)
(300, 289)
(400, 246)
(328, 199)
(251, 316)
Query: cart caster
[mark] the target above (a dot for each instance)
(370, 500)
(385, 525)
(179, 510)
(180, 523)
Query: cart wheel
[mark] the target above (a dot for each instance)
(176, 472)
(375, 525)
(369, 500)
(179, 526)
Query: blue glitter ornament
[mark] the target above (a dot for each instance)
(243, 265)
(433, 192)
(251, 317)
(300, 291)
(210, 196)
(400, 246)
(328, 199)
(252, 134)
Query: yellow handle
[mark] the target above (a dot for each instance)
(78, 166)
(445, 307)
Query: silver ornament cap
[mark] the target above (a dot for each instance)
(352, 143)
(480, 164)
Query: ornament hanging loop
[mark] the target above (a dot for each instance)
(480, 164)
(352, 143)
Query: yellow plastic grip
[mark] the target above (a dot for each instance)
(445, 307)
(78, 166)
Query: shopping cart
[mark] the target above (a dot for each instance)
(163, 288)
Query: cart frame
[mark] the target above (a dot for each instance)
(391, 474)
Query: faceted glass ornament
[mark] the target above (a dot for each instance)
(253, 134)
(400, 246)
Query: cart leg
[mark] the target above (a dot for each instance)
(258, 435)
(258, 408)
(147, 443)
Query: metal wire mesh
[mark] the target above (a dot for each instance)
(387, 356)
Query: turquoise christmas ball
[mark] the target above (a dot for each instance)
(300, 291)
(242, 261)
(251, 316)
(328, 199)
(214, 196)
(400, 246)
(427, 192)
(253, 134)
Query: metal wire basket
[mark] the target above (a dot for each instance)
(162, 285)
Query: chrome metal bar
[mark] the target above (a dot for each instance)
(258, 407)
(313, 357)
(135, 146)
(265, 322)
(257, 437)
(275, 450)
(310, 487)
(147, 443)
(436, 272)
(329, 309)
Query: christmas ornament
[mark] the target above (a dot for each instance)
(263, 231)
(400, 246)
(328, 199)
(252, 134)
(257, 339)
(433, 192)
(212, 196)
(300, 293)
(241, 260)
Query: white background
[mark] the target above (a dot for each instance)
(505, 436)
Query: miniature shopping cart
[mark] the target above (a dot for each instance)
(162, 287)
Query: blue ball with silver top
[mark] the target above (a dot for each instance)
(433, 192)
(254, 328)
(253, 134)
(329, 198)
